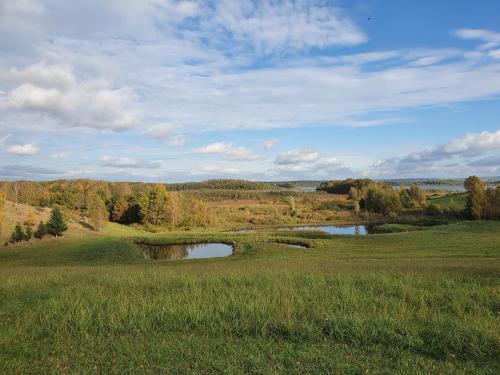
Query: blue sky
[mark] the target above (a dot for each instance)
(165, 90)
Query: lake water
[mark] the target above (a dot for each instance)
(330, 229)
(454, 188)
(186, 251)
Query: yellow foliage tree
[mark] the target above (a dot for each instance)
(2, 209)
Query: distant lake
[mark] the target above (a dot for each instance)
(456, 188)
(354, 230)
(185, 251)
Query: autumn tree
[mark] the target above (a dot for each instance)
(119, 211)
(96, 211)
(173, 209)
(2, 209)
(476, 200)
(153, 204)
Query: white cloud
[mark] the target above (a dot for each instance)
(26, 149)
(304, 155)
(213, 169)
(269, 144)
(228, 151)
(59, 155)
(452, 157)
(474, 142)
(285, 24)
(491, 39)
(166, 133)
(53, 90)
(126, 162)
(308, 163)
(495, 53)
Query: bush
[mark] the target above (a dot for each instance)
(433, 210)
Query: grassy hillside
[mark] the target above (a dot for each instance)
(15, 213)
(443, 201)
(423, 302)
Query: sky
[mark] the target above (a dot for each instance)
(169, 91)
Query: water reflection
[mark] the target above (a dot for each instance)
(355, 230)
(185, 251)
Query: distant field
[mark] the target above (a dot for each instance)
(423, 302)
(444, 201)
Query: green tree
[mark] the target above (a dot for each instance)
(382, 199)
(153, 204)
(41, 230)
(2, 209)
(476, 200)
(56, 224)
(18, 234)
(96, 211)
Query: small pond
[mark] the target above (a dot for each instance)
(296, 246)
(330, 229)
(185, 251)
(334, 229)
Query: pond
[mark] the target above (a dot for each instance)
(185, 251)
(356, 230)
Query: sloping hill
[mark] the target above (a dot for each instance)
(18, 212)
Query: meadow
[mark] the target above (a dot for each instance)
(420, 302)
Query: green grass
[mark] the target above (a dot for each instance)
(422, 302)
(443, 201)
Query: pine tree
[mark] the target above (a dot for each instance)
(18, 234)
(41, 230)
(56, 224)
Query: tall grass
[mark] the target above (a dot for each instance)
(396, 303)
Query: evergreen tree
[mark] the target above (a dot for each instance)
(18, 234)
(56, 224)
(41, 230)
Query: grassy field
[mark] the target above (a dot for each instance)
(443, 201)
(420, 302)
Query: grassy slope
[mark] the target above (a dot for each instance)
(417, 302)
(443, 201)
(18, 212)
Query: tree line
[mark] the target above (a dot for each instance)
(101, 201)
(379, 197)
